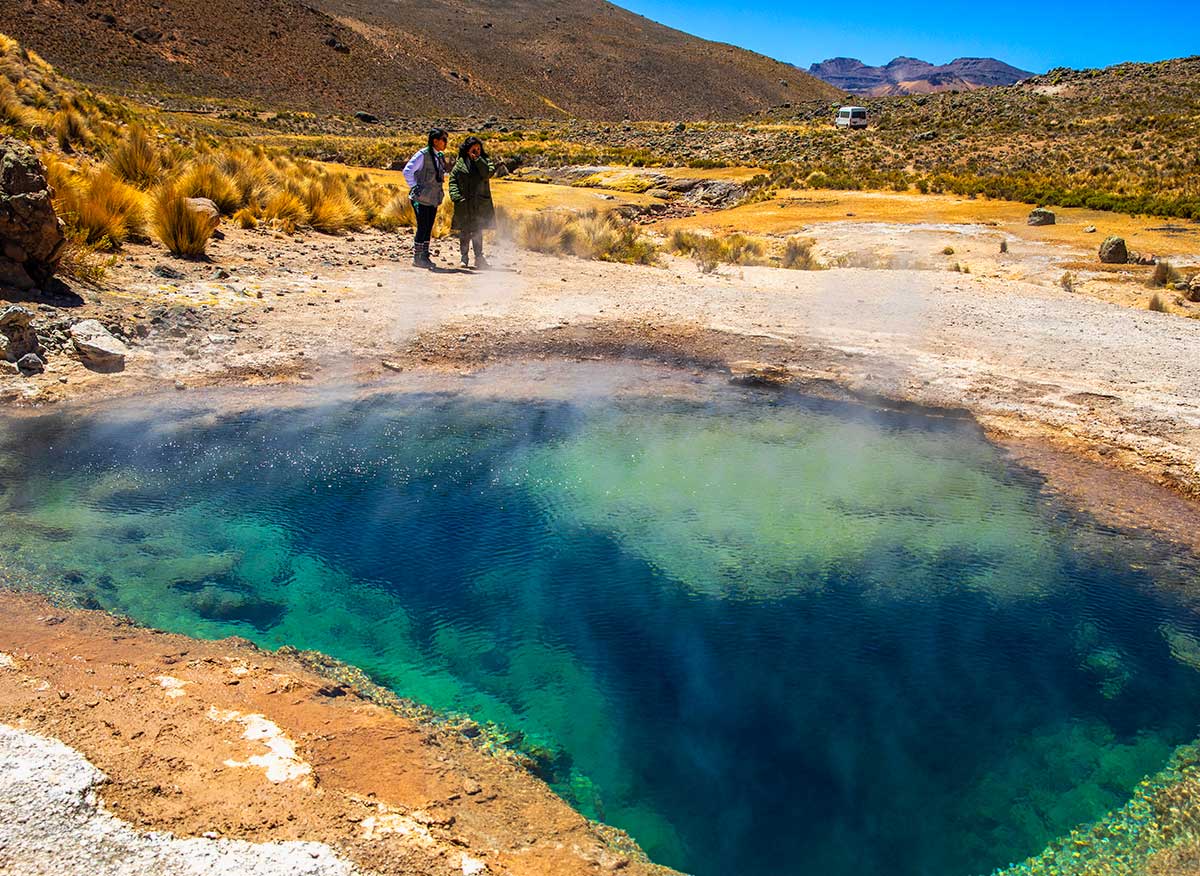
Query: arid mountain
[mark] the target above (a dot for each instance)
(407, 58)
(914, 76)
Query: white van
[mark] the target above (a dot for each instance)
(852, 117)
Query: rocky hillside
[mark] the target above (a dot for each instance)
(407, 58)
(914, 76)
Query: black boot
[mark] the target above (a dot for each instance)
(464, 248)
(421, 256)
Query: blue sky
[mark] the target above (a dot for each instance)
(1032, 35)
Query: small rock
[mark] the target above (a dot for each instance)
(166, 272)
(1113, 251)
(218, 273)
(1041, 216)
(180, 385)
(148, 35)
(97, 347)
(1091, 229)
(31, 363)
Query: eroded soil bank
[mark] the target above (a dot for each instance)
(222, 740)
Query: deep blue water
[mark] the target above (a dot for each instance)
(766, 635)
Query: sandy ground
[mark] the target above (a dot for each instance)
(1075, 382)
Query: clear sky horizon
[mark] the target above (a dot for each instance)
(1035, 36)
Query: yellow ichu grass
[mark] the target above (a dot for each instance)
(284, 211)
(204, 179)
(71, 129)
(136, 160)
(330, 208)
(181, 229)
(110, 210)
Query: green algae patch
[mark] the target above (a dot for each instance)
(763, 506)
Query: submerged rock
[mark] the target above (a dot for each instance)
(97, 347)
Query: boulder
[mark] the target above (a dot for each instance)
(31, 363)
(207, 208)
(31, 236)
(1041, 216)
(366, 118)
(1113, 251)
(97, 347)
(17, 337)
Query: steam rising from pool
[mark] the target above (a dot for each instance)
(765, 634)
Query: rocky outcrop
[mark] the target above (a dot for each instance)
(1042, 216)
(1113, 251)
(17, 336)
(31, 236)
(97, 347)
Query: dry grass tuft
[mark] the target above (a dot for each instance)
(83, 262)
(245, 218)
(544, 232)
(330, 208)
(798, 255)
(1164, 276)
(284, 211)
(136, 160)
(204, 179)
(590, 236)
(182, 230)
(398, 213)
(100, 209)
(710, 251)
(1157, 304)
(71, 129)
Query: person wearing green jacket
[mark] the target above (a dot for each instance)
(471, 192)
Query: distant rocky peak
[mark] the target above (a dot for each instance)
(905, 75)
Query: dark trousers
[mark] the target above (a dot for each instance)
(467, 239)
(425, 217)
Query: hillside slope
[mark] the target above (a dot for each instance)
(408, 58)
(914, 76)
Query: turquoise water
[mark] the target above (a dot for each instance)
(765, 634)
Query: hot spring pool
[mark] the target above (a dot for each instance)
(765, 634)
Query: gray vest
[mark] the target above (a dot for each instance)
(429, 191)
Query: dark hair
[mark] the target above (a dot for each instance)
(466, 147)
(437, 134)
